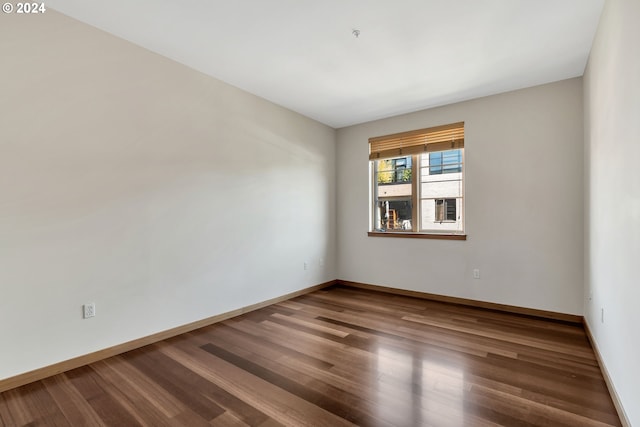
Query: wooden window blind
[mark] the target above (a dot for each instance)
(439, 138)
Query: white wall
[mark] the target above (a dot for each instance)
(524, 204)
(161, 194)
(612, 184)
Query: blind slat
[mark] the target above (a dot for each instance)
(437, 138)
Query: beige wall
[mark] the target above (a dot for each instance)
(160, 194)
(523, 204)
(612, 184)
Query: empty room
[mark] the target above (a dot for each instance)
(335, 213)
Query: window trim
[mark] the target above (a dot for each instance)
(413, 144)
(414, 235)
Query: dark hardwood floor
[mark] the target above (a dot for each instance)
(337, 357)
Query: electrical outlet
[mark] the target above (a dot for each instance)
(476, 273)
(89, 310)
(306, 265)
(321, 262)
(601, 315)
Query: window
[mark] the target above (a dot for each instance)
(394, 206)
(417, 181)
(445, 162)
(393, 171)
(445, 210)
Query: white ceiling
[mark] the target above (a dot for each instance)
(411, 54)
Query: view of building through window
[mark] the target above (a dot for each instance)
(433, 204)
(417, 180)
(445, 162)
(445, 210)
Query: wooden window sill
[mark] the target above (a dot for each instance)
(418, 235)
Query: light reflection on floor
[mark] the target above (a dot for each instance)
(415, 391)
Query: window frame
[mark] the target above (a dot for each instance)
(418, 229)
(375, 197)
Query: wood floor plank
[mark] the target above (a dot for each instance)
(107, 406)
(6, 418)
(275, 348)
(291, 368)
(526, 410)
(280, 405)
(229, 420)
(135, 403)
(72, 404)
(176, 379)
(337, 357)
(37, 406)
(18, 412)
(190, 418)
(325, 402)
(165, 402)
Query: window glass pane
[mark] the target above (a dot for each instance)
(451, 156)
(452, 161)
(450, 206)
(441, 191)
(393, 206)
(452, 168)
(385, 171)
(393, 171)
(435, 163)
(394, 215)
